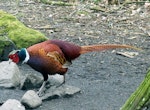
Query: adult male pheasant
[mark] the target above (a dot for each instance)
(54, 56)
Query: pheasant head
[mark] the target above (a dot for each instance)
(19, 56)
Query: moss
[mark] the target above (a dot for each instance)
(18, 32)
(12, 30)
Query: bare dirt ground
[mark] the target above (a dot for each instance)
(106, 79)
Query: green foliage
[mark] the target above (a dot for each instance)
(141, 97)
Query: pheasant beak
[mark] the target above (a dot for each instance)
(10, 60)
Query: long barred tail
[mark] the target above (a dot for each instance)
(91, 48)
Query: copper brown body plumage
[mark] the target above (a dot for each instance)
(50, 57)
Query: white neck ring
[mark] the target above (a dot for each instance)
(27, 57)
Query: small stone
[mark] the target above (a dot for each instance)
(128, 54)
(31, 100)
(10, 75)
(62, 91)
(31, 81)
(55, 79)
(12, 104)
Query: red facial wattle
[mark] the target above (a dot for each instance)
(14, 58)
